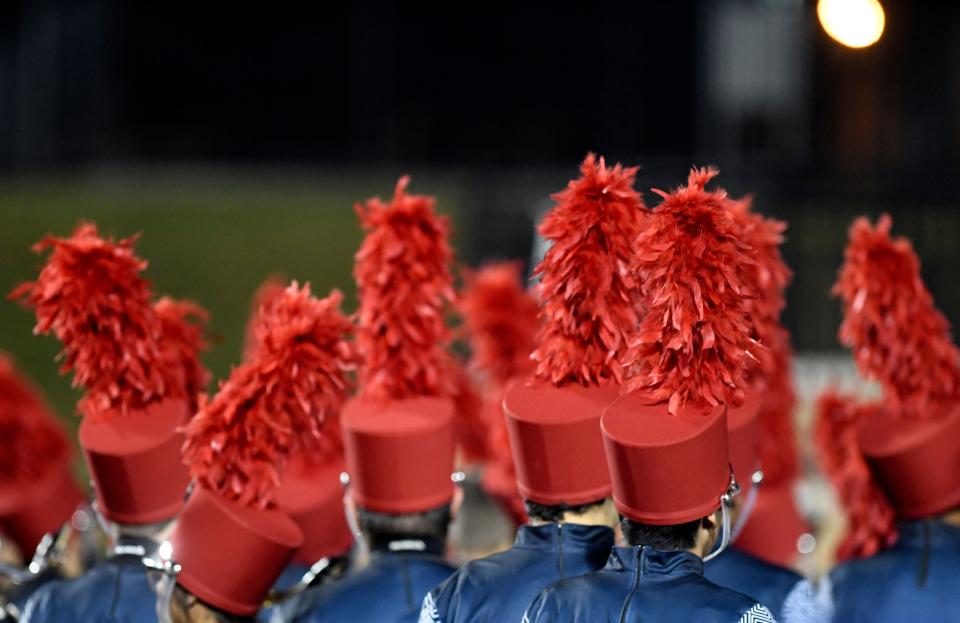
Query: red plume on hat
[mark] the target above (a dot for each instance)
(182, 327)
(283, 399)
(90, 294)
(587, 295)
(37, 491)
(500, 322)
(688, 362)
(266, 294)
(30, 433)
(769, 277)
(399, 432)
(897, 335)
(588, 308)
(404, 285)
(695, 344)
(276, 401)
(900, 340)
(870, 518)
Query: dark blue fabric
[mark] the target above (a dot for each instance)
(19, 596)
(115, 591)
(389, 590)
(290, 576)
(769, 584)
(915, 580)
(640, 584)
(499, 587)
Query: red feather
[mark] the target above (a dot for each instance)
(30, 435)
(91, 296)
(694, 346)
(183, 327)
(778, 452)
(769, 277)
(500, 323)
(282, 398)
(588, 296)
(470, 427)
(871, 521)
(404, 285)
(897, 335)
(267, 293)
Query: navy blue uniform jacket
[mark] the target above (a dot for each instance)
(644, 584)
(915, 580)
(499, 587)
(115, 591)
(767, 583)
(389, 590)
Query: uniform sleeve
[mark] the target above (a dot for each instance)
(442, 603)
(43, 607)
(538, 610)
(428, 610)
(757, 614)
(809, 603)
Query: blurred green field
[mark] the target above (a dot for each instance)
(211, 238)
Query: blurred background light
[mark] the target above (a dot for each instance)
(854, 23)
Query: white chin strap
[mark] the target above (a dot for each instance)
(363, 548)
(165, 597)
(745, 512)
(724, 533)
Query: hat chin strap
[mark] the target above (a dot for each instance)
(724, 532)
(165, 597)
(748, 505)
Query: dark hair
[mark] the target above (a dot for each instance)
(669, 538)
(553, 513)
(185, 601)
(381, 527)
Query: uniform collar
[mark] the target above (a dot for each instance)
(129, 547)
(654, 562)
(915, 532)
(567, 536)
(416, 546)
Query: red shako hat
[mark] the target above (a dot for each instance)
(588, 307)
(399, 430)
(37, 491)
(768, 440)
(761, 429)
(500, 323)
(775, 526)
(137, 361)
(272, 406)
(310, 489)
(667, 440)
(910, 441)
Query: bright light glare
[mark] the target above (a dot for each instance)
(854, 23)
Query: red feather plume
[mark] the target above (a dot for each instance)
(777, 451)
(897, 335)
(470, 427)
(870, 517)
(279, 400)
(694, 346)
(91, 296)
(183, 327)
(30, 435)
(267, 293)
(404, 285)
(500, 323)
(769, 277)
(588, 296)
